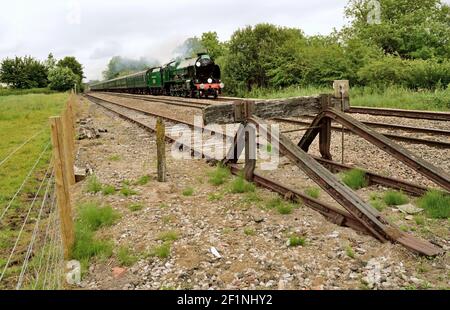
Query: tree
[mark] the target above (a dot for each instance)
(410, 29)
(212, 45)
(50, 63)
(23, 73)
(62, 78)
(72, 63)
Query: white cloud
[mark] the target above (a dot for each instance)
(94, 31)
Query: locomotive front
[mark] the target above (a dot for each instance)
(207, 77)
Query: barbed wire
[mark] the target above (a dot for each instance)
(34, 234)
(24, 224)
(25, 180)
(21, 146)
(52, 213)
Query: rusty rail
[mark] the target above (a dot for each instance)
(436, 116)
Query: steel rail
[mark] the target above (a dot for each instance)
(436, 116)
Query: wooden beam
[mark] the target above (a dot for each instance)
(234, 112)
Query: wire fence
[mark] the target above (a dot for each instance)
(33, 245)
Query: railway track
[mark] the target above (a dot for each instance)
(195, 104)
(333, 214)
(416, 114)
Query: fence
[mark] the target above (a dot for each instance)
(36, 230)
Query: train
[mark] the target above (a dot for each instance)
(196, 77)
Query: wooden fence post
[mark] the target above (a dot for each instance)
(161, 150)
(68, 145)
(62, 184)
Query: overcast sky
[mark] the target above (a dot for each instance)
(95, 30)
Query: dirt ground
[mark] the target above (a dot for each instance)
(251, 239)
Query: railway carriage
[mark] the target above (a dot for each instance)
(191, 77)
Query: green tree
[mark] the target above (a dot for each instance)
(50, 63)
(62, 78)
(408, 28)
(23, 72)
(210, 42)
(73, 64)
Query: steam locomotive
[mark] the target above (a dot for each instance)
(195, 77)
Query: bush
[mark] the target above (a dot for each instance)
(355, 179)
(62, 79)
(394, 198)
(436, 204)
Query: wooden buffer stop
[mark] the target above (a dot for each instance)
(357, 214)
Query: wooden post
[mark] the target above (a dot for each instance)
(62, 185)
(325, 131)
(68, 147)
(161, 150)
(250, 152)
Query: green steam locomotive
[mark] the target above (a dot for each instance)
(195, 77)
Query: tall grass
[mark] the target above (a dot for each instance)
(390, 97)
(436, 204)
(17, 92)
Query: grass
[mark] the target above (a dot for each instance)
(20, 92)
(94, 217)
(349, 251)
(126, 257)
(390, 97)
(436, 204)
(189, 191)
(395, 198)
(280, 205)
(143, 180)
(91, 217)
(135, 207)
(249, 231)
(93, 185)
(114, 158)
(313, 192)
(170, 235)
(127, 191)
(296, 240)
(378, 204)
(219, 176)
(420, 220)
(108, 190)
(240, 186)
(215, 197)
(21, 117)
(162, 251)
(355, 179)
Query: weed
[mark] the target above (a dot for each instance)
(188, 192)
(93, 185)
(436, 204)
(219, 176)
(215, 197)
(135, 207)
(404, 228)
(126, 191)
(420, 220)
(162, 251)
(169, 236)
(240, 185)
(143, 180)
(163, 206)
(394, 198)
(284, 208)
(114, 158)
(313, 192)
(295, 240)
(378, 204)
(249, 231)
(94, 217)
(108, 190)
(126, 257)
(355, 179)
(349, 251)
